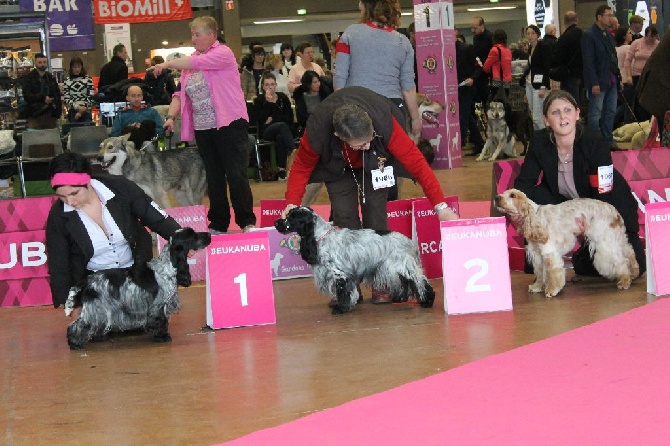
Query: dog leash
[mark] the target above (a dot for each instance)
(630, 109)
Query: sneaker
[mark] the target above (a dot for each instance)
(215, 232)
(248, 228)
(281, 175)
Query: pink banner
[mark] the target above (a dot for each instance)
(399, 215)
(194, 217)
(25, 292)
(436, 65)
(658, 240)
(25, 214)
(285, 259)
(271, 211)
(426, 230)
(23, 255)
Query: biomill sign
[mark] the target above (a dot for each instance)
(141, 11)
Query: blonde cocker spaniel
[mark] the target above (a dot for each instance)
(552, 231)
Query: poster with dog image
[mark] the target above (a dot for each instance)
(437, 79)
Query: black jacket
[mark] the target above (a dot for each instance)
(113, 71)
(539, 66)
(69, 246)
(466, 67)
(36, 89)
(160, 88)
(280, 111)
(568, 51)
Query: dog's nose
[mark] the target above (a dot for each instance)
(497, 200)
(281, 226)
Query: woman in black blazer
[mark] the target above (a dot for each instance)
(536, 77)
(98, 223)
(563, 162)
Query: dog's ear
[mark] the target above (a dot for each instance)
(178, 256)
(308, 247)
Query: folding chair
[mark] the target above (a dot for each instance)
(86, 140)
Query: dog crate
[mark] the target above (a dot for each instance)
(517, 95)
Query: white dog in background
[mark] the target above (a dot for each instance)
(552, 230)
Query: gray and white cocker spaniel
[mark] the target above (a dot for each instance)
(343, 258)
(140, 297)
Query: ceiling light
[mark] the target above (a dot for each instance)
(268, 22)
(490, 8)
(406, 13)
(164, 42)
(301, 11)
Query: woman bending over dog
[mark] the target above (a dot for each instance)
(97, 223)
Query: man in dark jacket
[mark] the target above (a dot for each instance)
(601, 73)
(42, 95)
(467, 73)
(116, 69)
(482, 41)
(568, 52)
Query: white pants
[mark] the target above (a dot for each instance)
(535, 106)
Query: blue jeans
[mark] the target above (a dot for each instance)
(602, 109)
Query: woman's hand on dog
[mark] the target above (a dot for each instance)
(287, 209)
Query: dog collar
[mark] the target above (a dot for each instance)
(332, 228)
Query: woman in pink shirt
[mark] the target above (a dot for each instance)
(636, 58)
(213, 110)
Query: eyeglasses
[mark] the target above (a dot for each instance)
(363, 146)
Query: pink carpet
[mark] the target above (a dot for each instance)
(606, 383)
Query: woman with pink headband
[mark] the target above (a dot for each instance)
(97, 223)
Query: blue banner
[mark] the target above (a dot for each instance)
(70, 22)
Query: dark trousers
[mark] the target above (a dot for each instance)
(345, 196)
(280, 133)
(573, 85)
(225, 152)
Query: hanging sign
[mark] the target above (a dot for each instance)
(141, 11)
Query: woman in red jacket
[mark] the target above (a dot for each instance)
(499, 64)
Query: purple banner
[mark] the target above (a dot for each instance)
(70, 22)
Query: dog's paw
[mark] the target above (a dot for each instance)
(552, 292)
(534, 288)
(340, 309)
(74, 346)
(426, 303)
(480, 157)
(163, 337)
(624, 282)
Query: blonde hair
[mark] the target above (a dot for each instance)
(271, 60)
(205, 22)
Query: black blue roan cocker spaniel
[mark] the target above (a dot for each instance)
(139, 297)
(341, 259)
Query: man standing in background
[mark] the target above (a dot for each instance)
(482, 41)
(116, 69)
(601, 73)
(568, 52)
(42, 95)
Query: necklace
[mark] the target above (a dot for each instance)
(362, 191)
(566, 159)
